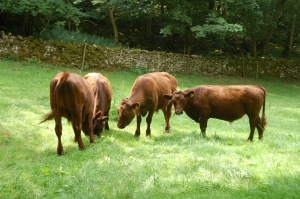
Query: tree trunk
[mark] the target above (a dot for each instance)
(27, 26)
(271, 27)
(224, 10)
(188, 42)
(211, 4)
(68, 23)
(290, 35)
(149, 28)
(162, 8)
(253, 45)
(113, 23)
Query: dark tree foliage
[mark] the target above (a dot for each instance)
(254, 27)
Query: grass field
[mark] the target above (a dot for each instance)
(180, 164)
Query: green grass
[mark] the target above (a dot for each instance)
(180, 164)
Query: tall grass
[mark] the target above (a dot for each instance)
(180, 164)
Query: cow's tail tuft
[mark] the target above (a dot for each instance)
(263, 119)
(48, 116)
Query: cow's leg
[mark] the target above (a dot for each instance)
(89, 121)
(58, 131)
(106, 122)
(76, 123)
(203, 125)
(252, 122)
(149, 120)
(138, 125)
(167, 114)
(106, 126)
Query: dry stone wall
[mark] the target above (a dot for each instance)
(99, 57)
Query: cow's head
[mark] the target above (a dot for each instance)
(179, 99)
(126, 112)
(99, 122)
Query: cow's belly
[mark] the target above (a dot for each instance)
(227, 115)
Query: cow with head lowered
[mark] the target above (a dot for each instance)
(147, 97)
(102, 91)
(227, 103)
(72, 97)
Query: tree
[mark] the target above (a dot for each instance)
(271, 27)
(250, 16)
(126, 11)
(193, 20)
(259, 19)
(42, 13)
(290, 25)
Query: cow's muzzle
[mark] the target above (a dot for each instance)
(120, 126)
(178, 112)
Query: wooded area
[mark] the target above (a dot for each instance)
(253, 27)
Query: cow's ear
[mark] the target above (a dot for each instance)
(190, 94)
(168, 96)
(136, 106)
(98, 114)
(105, 118)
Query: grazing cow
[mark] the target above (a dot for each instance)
(102, 97)
(72, 97)
(146, 97)
(227, 103)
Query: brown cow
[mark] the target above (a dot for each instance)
(72, 97)
(146, 97)
(102, 97)
(227, 103)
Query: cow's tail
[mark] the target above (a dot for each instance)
(59, 83)
(263, 119)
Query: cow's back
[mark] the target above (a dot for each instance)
(102, 90)
(106, 88)
(152, 87)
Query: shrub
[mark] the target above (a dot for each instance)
(59, 33)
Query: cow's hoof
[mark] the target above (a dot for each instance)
(167, 129)
(82, 148)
